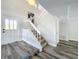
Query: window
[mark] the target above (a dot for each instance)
(10, 24)
(15, 24)
(6, 24)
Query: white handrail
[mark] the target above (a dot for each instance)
(33, 26)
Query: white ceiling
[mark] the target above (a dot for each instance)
(57, 7)
(53, 3)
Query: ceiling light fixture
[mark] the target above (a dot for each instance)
(32, 2)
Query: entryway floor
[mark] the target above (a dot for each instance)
(22, 50)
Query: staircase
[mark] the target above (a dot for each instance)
(38, 35)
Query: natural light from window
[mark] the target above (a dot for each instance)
(10, 24)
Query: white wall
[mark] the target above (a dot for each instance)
(73, 22)
(68, 15)
(47, 26)
(12, 9)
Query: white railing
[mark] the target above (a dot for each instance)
(34, 27)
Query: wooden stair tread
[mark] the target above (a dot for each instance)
(42, 41)
(44, 44)
(39, 38)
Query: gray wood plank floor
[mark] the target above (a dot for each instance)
(22, 50)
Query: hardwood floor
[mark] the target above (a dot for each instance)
(22, 50)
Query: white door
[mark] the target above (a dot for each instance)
(4, 35)
(9, 32)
